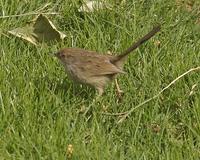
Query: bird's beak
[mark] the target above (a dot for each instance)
(56, 54)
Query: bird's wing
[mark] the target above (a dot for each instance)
(97, 65)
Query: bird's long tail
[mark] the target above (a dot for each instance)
(136, 44)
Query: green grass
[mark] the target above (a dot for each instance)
(42, 111)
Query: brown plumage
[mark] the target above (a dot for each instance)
(89, 67)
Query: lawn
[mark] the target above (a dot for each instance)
(44, 115)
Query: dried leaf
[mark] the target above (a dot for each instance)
(197, 21)
(155, 128)
(41, 29)
(91, 6)
(109, 52)
(188, 5)
(24, 33)
(70, 150)
(157, 43)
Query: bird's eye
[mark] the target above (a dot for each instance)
(62, 55)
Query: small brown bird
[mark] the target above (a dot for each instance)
(89, 67)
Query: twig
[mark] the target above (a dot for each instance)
(157, 95)
(28, 14)
(4, 34)
(114, 114)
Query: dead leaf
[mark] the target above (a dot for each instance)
(70, 150)
(157, 43)
(41, 29)
(91, 6)
(197, 21)
(185, 4)
(109, 52)
(155, 128)
(24, 33)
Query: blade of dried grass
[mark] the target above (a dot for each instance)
(124, 115)
(158, 94)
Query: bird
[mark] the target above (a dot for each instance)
(95, 69)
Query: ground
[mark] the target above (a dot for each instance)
(46, 116)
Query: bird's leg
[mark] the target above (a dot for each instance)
(100, 90)
(119, 91)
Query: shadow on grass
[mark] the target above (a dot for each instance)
(64, 88)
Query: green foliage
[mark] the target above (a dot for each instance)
(42, 111)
